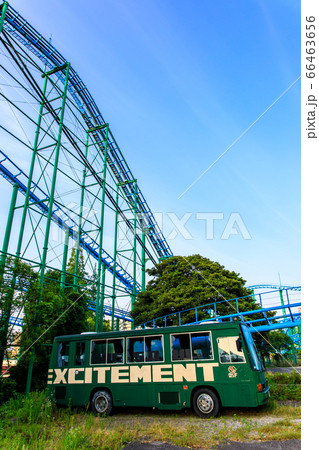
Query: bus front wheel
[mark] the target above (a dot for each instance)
(101, 402)
(206, 403)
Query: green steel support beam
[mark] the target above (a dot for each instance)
(98, 292)
(6, 312)
(282, 300)
(54, 176)
(3, 14)
(77, 248)
(114, 257)
(7, 233)
(133, 296)
(102, 298)
(132, 250)
(30, 370)
(143, 259)
(65, 260)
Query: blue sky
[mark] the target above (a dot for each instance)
(179, 81)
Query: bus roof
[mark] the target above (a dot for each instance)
(151, 331)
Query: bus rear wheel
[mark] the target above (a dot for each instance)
(101, 403)
(206, 403)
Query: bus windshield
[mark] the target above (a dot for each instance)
(255, 361)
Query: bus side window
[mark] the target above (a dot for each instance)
(154, 348)
(135, 349)
(180, 345)
(235, 354)
(115, 351)
(79, 353)
(98, 352)
(228, 351)
(63, 354)
(201, 345)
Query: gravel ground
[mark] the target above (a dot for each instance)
(229, 421)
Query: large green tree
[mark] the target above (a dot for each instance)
(179, 283)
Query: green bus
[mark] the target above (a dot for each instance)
(204, 366)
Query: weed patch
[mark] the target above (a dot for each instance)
(34, 422)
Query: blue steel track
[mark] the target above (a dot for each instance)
(266, 322)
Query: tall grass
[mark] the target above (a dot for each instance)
(34, 422)
(35, 408)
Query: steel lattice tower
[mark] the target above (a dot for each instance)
(72, 187)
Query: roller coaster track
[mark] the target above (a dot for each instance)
(62, 219)
(274, 286)
(263, 322)
(22, 31)
(118, 313)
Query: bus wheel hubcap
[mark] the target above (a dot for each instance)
(205, 403)
(101, 404)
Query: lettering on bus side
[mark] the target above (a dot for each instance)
(165, 373)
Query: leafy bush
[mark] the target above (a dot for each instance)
(285, 386)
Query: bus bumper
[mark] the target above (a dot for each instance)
(263, 397)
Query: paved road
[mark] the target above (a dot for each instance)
(292, 444)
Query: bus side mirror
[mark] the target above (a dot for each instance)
(239, 345)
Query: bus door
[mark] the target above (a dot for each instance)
(58, 373)
(67, 373)
(76, 377)
(234, 372)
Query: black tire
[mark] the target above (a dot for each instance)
(206, 403)
(101, 403)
